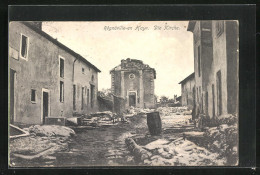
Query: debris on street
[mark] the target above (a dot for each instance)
(41, 144)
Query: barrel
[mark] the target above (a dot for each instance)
(154, 123)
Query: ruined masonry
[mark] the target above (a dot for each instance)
(133, 82)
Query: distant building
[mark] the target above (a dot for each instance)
(133, 81)
(47, 79)
(216, 66)
(188, 91)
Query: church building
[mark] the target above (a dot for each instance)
(133, 81)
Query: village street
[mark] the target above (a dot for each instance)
(106, 145)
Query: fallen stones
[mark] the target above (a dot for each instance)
(42, 143)
(174, 153)
(51, 130)
(139, 153)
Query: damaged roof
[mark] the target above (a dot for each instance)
(131, 64)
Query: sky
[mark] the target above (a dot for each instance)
(166, 46)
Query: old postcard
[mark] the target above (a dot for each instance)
(125, 93)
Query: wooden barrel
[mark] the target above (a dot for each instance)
(154, 123)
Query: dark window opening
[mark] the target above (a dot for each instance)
(199, 60)
(83, 70)
(24, 46)
(33, 95)
(61, 68)
(74, 97)
(92, 78)
(82, 99)
(61, 91)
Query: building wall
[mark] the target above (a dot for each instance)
(41, 70)
(220, 64)
(142, 84)
(84, 80)
(187, 93)
(148, 78)
(198, 78)
(219, 53)
(132, 85)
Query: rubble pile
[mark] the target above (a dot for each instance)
(100, 119)
(41, 144)
(224, 140)
(132, 111)
(179, 152)
(51, 130)
(228, 119)
(167, 111)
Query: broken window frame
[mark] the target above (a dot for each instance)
(25, 57)
(33, 91)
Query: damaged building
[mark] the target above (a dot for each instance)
(216, 66)
(46, 78)
(133, 81)
(188, 91)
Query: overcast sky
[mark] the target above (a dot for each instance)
(169, 50)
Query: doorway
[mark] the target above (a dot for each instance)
(92, 93)
(12, 94)
(45, 105)
(219, 93)
(132, 99)
(213, 101)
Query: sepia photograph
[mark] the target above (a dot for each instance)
(123, 93)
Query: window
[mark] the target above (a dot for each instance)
(199, 60)
(132, 76)
(92, 78)
(82, 98)
(61, 67)
(83, 70)
(61, 91)
(33, 95)
(24, 47)
(74, 97)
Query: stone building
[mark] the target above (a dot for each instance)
(188, 91)
(46, 78)
(133, 81)
(216, 66)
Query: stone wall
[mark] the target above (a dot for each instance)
(41, 71)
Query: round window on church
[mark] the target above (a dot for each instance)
(132, 76)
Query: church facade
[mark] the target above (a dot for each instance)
(133, 81)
